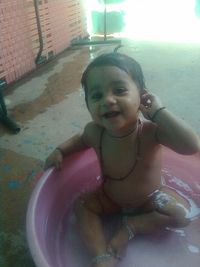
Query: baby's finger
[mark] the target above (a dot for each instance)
(146, 100)
(143, 108)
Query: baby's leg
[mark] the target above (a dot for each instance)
(165, 208)
(88, 209)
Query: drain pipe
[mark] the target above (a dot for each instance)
(38, 58)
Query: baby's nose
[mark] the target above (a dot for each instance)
(109, 99)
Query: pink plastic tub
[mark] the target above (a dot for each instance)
(52, 233)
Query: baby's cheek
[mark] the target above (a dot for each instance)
(133, 102)
(96, 118)
(91, 110)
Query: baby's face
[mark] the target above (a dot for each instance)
(113, 99)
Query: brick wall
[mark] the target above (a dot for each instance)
(61, 22)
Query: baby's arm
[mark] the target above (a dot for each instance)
(170, 131)
(74, 144)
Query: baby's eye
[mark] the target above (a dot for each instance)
(120, 90)
(96, 96)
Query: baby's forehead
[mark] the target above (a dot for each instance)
(108, 70)
(107, 75)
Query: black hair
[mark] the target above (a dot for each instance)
(122, 61)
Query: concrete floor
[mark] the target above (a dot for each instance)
(49, 106)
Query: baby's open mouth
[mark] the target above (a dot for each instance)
(111, 114)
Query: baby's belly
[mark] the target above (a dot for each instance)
(131, 193)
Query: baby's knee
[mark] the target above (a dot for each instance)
(177, 212)
(181, 218)
(181, 214)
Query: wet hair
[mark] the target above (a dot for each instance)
(122, 61)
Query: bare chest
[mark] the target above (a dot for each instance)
(136, 187)
(130, 175)
(119, 162)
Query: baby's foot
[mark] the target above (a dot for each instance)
(101, 261)
(120, 240)
(118, 243)
(110, 263)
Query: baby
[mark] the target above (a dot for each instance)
(129, 152)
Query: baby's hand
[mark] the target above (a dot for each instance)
(149, 104)
(54, 160)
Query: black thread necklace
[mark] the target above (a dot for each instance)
(139, 128)
(123, 136)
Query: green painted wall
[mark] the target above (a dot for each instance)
(114, 18)
(114, 22)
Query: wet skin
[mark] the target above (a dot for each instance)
(114, 101)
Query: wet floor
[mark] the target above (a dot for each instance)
(49, 106)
